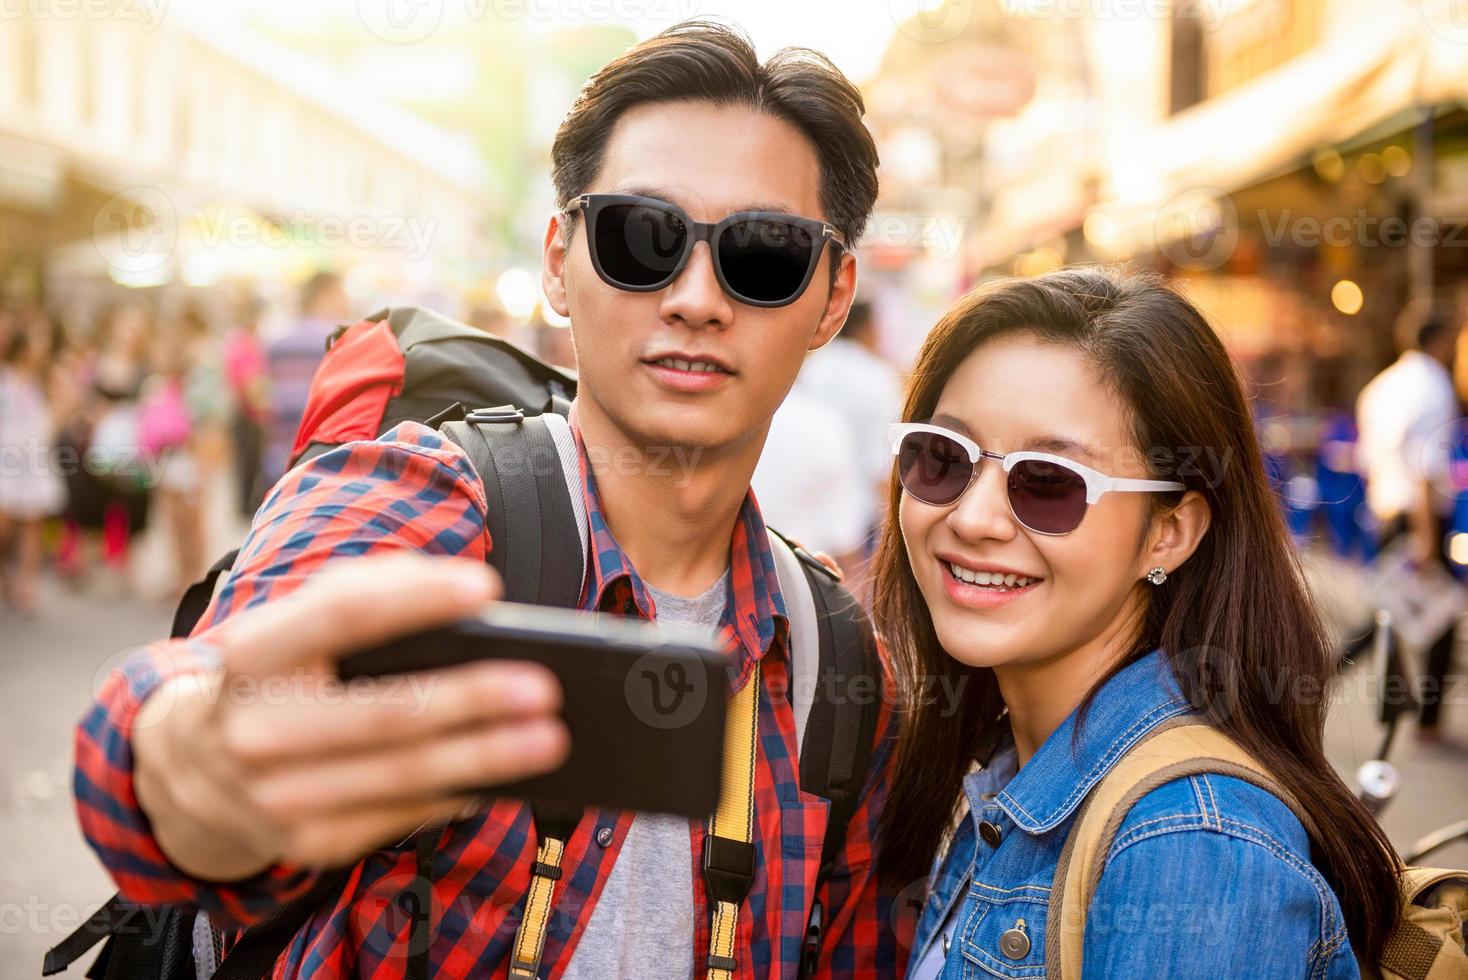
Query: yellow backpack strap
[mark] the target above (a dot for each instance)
(554, 826)
(1175, 749)
(728, 849)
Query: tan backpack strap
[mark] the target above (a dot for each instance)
(729, 846)
(1175, 749)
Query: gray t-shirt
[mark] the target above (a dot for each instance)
(642, 925)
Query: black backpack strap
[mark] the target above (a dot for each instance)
(420, 936)
(254, 954)
(110, 918)
(836, 747)
(196, 600)
(539, 541)
(536, 533)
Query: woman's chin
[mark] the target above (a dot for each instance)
(988, 654)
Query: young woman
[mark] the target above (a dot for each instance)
(1087, 547)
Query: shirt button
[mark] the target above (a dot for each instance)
(629, 607)
(990, 833)
(604, 836)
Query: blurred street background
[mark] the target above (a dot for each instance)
(193, 193)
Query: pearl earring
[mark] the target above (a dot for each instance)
(1157, 575)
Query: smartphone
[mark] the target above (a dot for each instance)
(644, 702)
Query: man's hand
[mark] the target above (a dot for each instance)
(272, 759)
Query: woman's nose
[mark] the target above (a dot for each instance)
(983, 510)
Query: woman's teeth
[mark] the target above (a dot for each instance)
(681, 365)
(991, 579)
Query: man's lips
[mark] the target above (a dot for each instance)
(687, 376)
(677, 360)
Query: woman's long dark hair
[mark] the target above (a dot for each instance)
(1236, 621)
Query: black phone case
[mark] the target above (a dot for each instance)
(645, 704)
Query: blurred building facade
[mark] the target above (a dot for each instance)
(176, 157)
(1302, 165)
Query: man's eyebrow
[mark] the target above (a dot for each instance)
(662, 194)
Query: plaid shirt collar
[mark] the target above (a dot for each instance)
(754, 613)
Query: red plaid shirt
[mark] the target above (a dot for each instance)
(413, 489)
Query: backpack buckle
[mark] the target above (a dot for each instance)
(728, 868)
(500, 413)
(811, 952)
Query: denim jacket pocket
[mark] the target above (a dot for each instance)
(1003, 934)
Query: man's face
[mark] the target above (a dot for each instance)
(710, 161)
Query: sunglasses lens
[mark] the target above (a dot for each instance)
(933, 468)
(766, 260)
(1047, 497)
(639, 246)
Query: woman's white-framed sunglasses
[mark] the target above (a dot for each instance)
(1048, 494)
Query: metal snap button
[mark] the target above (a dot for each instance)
(604, 836)
(1015, 943)
(991, 834)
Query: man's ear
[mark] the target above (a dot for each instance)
(1175, 535)
(553, 263)
(838, 303)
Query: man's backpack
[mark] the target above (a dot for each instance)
(1428, 943)
(507, 410)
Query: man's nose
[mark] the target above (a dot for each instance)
(696, 297)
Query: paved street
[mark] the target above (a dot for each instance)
(49, 880)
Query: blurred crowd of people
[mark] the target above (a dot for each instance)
(103, 430)
(135, 420)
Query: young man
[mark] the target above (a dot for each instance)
(235, 803)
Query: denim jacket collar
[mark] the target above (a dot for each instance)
(1053, 783)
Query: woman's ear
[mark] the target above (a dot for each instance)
(1176, 534)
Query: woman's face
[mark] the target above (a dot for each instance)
(1011, 394)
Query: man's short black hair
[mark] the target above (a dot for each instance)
(710, 62)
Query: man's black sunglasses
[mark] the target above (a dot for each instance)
(763, 258)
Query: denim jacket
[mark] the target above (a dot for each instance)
(1208, 876)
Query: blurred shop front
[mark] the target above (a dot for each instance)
(186, 165)
(1299, 167)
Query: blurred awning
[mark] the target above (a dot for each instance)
(1152, 187)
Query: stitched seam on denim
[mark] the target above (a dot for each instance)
(1044, 889)
(1322, 950)
(1252, 834)
(971, 925)
(1323, 955)
(1018, 971)
(1181, 821)
(1010, 899)
(977, 955)
(972, 952)
(1307, 870)
(1217, 813)
(1123, 742)
(1198, 795)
